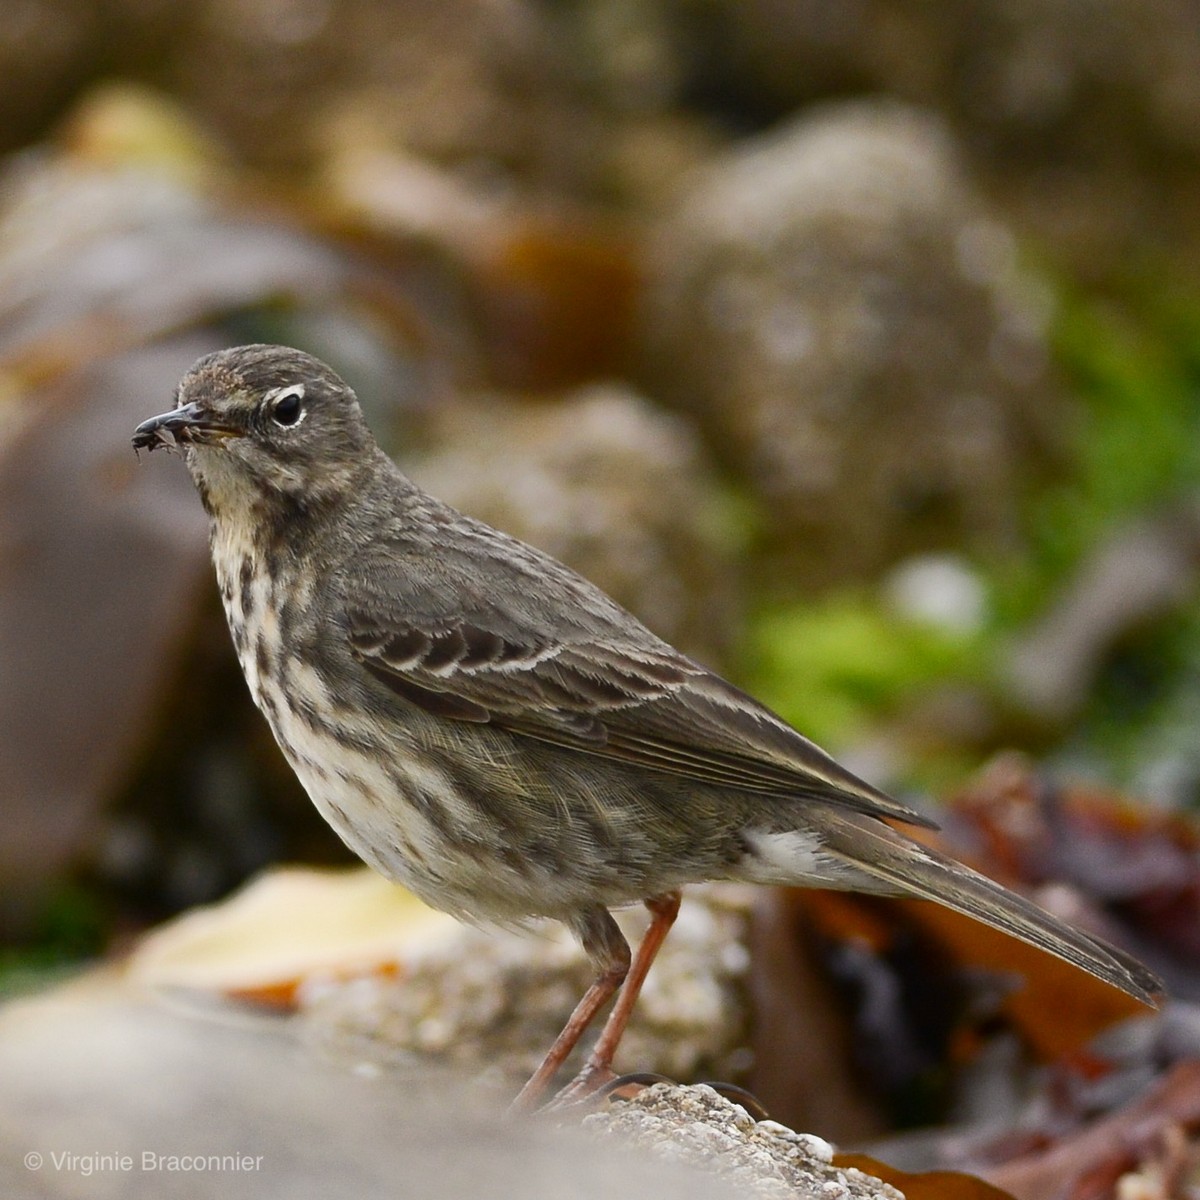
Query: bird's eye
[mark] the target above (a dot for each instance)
(288, 407)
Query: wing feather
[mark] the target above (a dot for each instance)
(503, 635)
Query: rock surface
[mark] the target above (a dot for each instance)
(108, 1093)
(499, 998)
(849, 322)
(763, 1158)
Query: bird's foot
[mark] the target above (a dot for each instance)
(584, 1086)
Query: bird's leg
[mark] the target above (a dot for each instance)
(608, 951)
(597, 1070)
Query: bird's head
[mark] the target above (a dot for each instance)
(259, 423)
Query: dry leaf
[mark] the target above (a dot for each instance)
(286, 927)
(925, 1185)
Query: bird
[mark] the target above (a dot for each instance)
(486, 727)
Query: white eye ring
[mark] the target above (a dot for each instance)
(285, 413)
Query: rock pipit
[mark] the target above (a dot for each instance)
(488, 728)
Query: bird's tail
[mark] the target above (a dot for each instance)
(899, 865)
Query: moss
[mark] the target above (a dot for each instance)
(840, 666)
(833, 668)
(1135, 364)
(71, 928)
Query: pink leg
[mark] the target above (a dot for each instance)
(598, 1069)
(609, 952)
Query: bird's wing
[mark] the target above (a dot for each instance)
(516, 640)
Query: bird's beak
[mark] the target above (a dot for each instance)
(187, 424)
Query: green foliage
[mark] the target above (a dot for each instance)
(838, 667)
(833, 667)
(1135, 365)
(71, 927)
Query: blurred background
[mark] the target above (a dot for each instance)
(854, 346)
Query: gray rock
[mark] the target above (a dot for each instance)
(1082, 123)
(490, 1002)
(851, 325)
(763, 1159)
(107, 1094)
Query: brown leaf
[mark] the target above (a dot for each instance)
(925, 1185)
(1058, 1008)
(557, 301)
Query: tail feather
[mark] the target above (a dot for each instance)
(909, 868)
